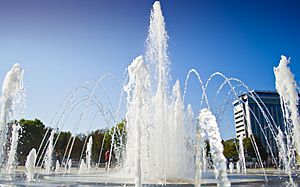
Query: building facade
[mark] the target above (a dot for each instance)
(253, 111)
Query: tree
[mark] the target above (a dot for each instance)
(230, 149)
(119, 141)
(61, 144)
(231, 152)
(98, 136)
(33, 132)
(31, 136)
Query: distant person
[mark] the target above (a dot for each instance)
(106, 156)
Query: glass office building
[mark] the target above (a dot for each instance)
(250, 113)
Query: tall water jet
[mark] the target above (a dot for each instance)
(157, 48)
(199, 147)
(208, 124)
(86, 165)
(204, 157)
(157, 55)
(137, 91)
(57, 167)
(49, 153)
(30, 165)
(238, 167)
(12, 95)
(282, 155)
(242, 154)
(82, 166)
(88, 153)
(69, 164)
(155, 117)
(11, 163)
(231, 166)
(286, 87)
(189, 153)
(176, 129)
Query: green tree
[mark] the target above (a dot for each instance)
(61, 144)
(119, 140)
(230, 149)
(33, 132)
(97, 143)
(31, 136)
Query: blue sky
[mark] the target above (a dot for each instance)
(61, 44)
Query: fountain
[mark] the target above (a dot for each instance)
(242, 154)
(12, 95)
(49, 153)
(283, 157)
(287, 89)
(82, 166)
(11, 163)
(238, 167)
(137, 108)
(86, 166)
(231, 166)
(89, 153)
(30, 165)
(199, 158)
(208, 123)
(155, 118)
(69, 165)
(57, 167)
(164, 143)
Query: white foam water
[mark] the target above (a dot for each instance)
(242, 155)
(238, 167)
(283, 156)
(49, 154)
(30, 165)
(286, 87)
(82, 167)
(12, 95)
(231, 166)
(88, 153)
(11, 162)
(199, 155)
(137, 91)
(69, 165)
(156, 133)
(85, 166)
(210, 129)
(57, 167)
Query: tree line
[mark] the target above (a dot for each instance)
(231, 149)
(33, 131)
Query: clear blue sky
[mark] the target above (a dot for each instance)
(61, 44)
